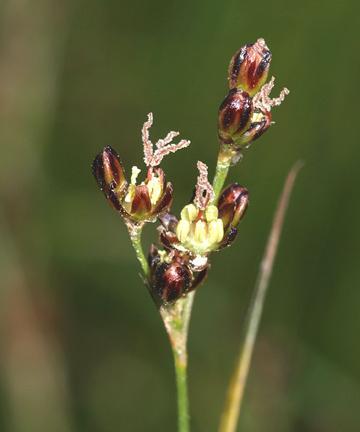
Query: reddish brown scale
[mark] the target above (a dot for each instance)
(141, 204)
(114, 200)
(257, 129)
(235, 64)
(110, 160)
(249, 67)
(165, 201)
(98, 172)
(232, 205)
(234, 115)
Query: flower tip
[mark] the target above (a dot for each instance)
(249, 67)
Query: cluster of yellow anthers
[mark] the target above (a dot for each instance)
(200, 231)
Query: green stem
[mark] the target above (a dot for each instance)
(222, 168)
(135, 232)
(176, 318)
(231, 412)
(182, 394)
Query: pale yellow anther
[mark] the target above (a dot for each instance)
(216, 231)
(257, 117)
(135, 171)
(189, 212)
(131, 192)
(211, 213)
(155, 189)
(182, 230)
(200, 233)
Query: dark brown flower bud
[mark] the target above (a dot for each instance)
(172, 281)
(143, 202)
(232, 206)
(171, 275)
(110, 176)
(249, 67)
(234, 116)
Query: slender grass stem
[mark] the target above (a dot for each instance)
(226, 158)
(182, 394)
(135, 232)
(176, 318)
(221, 172)
(231, 412)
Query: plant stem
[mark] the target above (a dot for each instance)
(226, 157)
(182, 394)
(236, 388)
(219, 179)
(135, 232)
(176, 318)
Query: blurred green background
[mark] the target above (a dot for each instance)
(82, 348)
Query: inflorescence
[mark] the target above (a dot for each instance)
(209, 222)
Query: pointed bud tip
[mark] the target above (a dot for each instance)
(249, 67)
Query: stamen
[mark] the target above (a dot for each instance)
(203, 191)
(164, 147)
(262, 99)
(135, 171)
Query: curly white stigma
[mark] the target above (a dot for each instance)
(164, 146)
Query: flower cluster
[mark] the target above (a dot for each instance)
(209, 222)
(204, 227)
(149, 199)
(245, 113)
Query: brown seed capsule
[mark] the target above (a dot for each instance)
(234, 116)
(249, 67)
(171, 276)
(232, 205)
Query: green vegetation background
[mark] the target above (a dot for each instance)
(82, 348)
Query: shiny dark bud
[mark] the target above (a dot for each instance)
(249, 67)
(232, 205)
(260, 123)
(172, 281)
(234, 116)
(110, 176)
(171, 276)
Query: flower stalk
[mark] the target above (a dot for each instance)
(176, 318)
(221, 172)
(135, 231)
